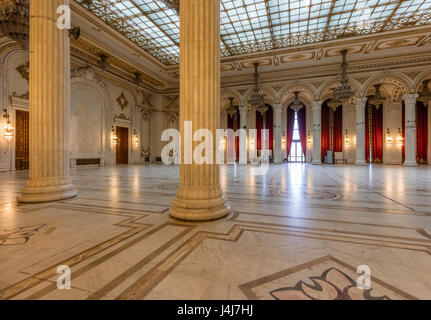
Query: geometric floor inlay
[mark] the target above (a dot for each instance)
(326, 278)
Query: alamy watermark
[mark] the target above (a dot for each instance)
(201, 147)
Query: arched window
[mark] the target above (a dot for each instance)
(296, 154)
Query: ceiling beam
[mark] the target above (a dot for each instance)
(271, 28)
(331, 11)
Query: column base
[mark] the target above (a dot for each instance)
(360, 163)
(38, 194)
(200, 210)
(410, 164)
(277, 162)
(316, 162)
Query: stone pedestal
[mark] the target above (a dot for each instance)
(277, 134)
(410, 141)
(49, 176)
(360, 131)
(199, 195)
(317, 132)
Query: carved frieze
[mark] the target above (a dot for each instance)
(24, 70)
(122, 101)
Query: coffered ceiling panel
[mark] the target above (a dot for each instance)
(250, 26)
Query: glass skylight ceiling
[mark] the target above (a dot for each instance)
(249, 26)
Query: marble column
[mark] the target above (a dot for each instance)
(410, 140)
(243, 117)
(277, 134)
(49, 175)
(199, 196)
(317, 133)
(360, 131)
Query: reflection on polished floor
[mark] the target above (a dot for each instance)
(299, 232)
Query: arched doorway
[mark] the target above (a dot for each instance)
(296, 134)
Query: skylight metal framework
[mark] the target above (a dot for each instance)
(249, 26)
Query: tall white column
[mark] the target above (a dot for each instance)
(410, 141)
(243, 117)
(277, 134)
(360, 131)
(49, 176)
(199, 195)
(317, 132)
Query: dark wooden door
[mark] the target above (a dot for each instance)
(122, 145)
(21, 140)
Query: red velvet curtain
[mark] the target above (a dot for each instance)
(338, 129)
(378, 134)
(403, 149)
(367, 135)
(290, 127)
(230, 125)
(270, 126)
(422, 133)
(376, 131)
(325, 129)
(259, 124)
(302, 126)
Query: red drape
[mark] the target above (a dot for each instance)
(259, 124)
(290, 127)
(376, 131)
(403, 149)
(378, 134)
(302, 126)
(422, 133)
(338, 129)
(268, 126)
(325, 129)
(367, 135)
(230, 125)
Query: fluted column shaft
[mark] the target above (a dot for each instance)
(410, 141)
(317, 132)
(199, 196)
(49, 176)
(277, 134)
(360, 131)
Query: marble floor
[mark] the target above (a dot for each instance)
(299, 232)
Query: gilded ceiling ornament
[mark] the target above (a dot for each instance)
(145, 115)
(146, 99)
(15, 21)
(127, 23)
(24, 70)
(122, 117)
(172, 101)
(122, 101)
(172, 116)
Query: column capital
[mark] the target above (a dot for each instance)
(361, 102)
(277, 107)
(242, 109)
(410, 98)
(316, 104)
